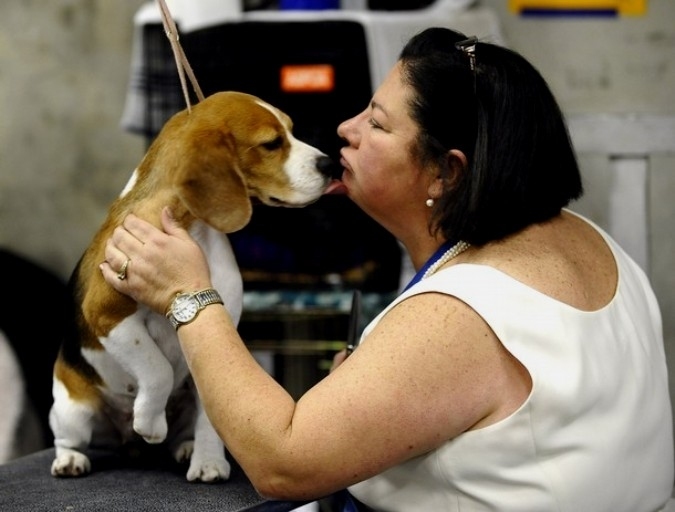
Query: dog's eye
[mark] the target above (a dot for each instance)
(273, 144)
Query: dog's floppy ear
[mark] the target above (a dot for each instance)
(211, 185)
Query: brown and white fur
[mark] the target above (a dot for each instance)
(120, 374)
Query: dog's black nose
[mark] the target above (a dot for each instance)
(328, 167)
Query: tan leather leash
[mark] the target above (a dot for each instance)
(181, 60)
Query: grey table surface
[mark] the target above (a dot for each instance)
(118, 483)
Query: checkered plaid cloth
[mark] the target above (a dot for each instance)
(154, 93)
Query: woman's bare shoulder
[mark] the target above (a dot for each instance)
(565, 258)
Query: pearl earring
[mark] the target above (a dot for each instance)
(430, 202)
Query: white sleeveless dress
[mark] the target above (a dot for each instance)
(594, 435)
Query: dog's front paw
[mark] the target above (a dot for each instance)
(209, 470)
(184, 451)
(153, 430)
(70, 463)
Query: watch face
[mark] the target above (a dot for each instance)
(184, 308)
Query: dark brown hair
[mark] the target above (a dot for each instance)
(499, 111)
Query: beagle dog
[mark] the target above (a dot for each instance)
(120, 375)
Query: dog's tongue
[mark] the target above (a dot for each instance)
(335, 187)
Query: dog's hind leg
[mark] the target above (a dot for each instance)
(71, 422)
(207, 463)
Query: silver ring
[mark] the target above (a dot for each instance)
(122, 274)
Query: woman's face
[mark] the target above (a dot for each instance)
(380, 173)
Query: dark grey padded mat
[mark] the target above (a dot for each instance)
(118, 483)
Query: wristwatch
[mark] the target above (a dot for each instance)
(186, 306)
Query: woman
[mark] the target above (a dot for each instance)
(523, 368)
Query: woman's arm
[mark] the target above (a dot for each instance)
(429, 371)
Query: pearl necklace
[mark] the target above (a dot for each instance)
(451, 253)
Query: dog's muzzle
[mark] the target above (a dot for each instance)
(328, 167)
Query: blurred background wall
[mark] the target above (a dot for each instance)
(64, 66)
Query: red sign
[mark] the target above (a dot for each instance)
(307, 78)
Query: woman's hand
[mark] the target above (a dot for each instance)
(160, 263)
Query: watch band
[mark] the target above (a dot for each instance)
(208, 296)
(204, 298)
